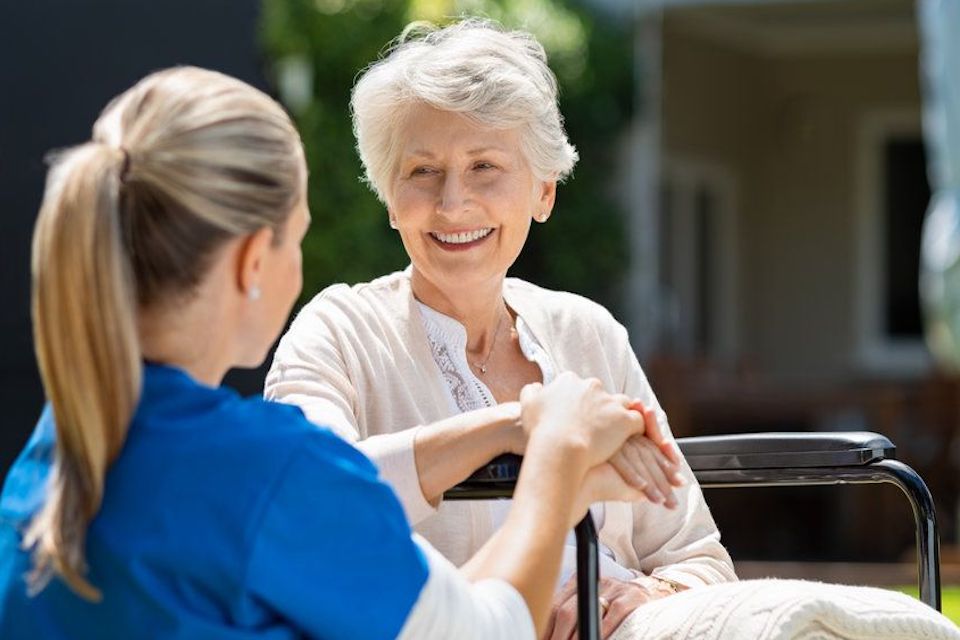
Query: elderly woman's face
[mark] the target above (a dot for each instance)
(463, 199)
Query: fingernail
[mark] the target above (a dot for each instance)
(655, 496)
(679, 480)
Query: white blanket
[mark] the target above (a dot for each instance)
(786, 609)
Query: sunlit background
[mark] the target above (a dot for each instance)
(749, 201)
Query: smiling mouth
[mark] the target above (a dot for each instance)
(463, 238)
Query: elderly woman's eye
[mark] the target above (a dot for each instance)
(423, 171)
(483, 166)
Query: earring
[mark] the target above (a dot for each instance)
(253, 293)
(541, 217)
(393, 222)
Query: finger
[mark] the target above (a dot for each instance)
(624, 598)
(626, 402)
(530, 391)
(632, 451)
(671, 451)
(638, 424)
(551, 625)
(651, 426)
(658, 476)
(567, 591)
(566, 623)
(617, 612)
(646, 457)
(670, 469)
(628, 471)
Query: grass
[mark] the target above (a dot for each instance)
(951, 601)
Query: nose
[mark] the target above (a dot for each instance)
(452, 194)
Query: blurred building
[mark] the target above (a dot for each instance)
(778, 187)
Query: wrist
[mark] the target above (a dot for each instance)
(506, 430)
(660, 586)
(570, 454)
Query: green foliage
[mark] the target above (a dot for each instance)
(950, 597)
(317, 48)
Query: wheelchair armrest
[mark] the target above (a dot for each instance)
(785, 450)
(503, 468)
(495, 479)
(704, 453)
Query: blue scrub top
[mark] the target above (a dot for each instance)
(224, 518)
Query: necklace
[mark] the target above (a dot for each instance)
(482, 366)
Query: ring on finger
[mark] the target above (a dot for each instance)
(604, 606)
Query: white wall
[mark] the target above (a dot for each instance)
(786, 128)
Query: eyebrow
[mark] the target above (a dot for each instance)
(423, 153)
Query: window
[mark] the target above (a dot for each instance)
(698, 260)
(894, 194)
(906, 196)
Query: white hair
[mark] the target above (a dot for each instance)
(497, 78)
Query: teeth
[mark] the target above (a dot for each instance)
(461, 238)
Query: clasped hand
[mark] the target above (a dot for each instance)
(618, 599)
(628, 455)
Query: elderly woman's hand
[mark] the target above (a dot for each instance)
(618, 599)
(650, 462)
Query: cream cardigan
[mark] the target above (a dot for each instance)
(357, 360)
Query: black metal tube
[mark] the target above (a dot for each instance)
(588, 577)
(883, 471)
(925, 516)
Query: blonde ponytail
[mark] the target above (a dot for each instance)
(180, 163)
(87, 348)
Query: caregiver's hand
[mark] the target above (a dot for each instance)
(618, 599)
(577, 413)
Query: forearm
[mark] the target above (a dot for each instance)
(451, 607)
(448, 451)
(527, 550)
(697, 572)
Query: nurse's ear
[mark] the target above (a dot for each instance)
(252, 253)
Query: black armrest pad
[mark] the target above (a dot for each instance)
(785, 450)
(496, 479)
(741, 451)
(504, 468)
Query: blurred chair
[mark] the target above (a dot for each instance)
(754, 460)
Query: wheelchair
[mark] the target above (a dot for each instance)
(752, 460)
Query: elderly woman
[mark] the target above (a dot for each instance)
(461, 138)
